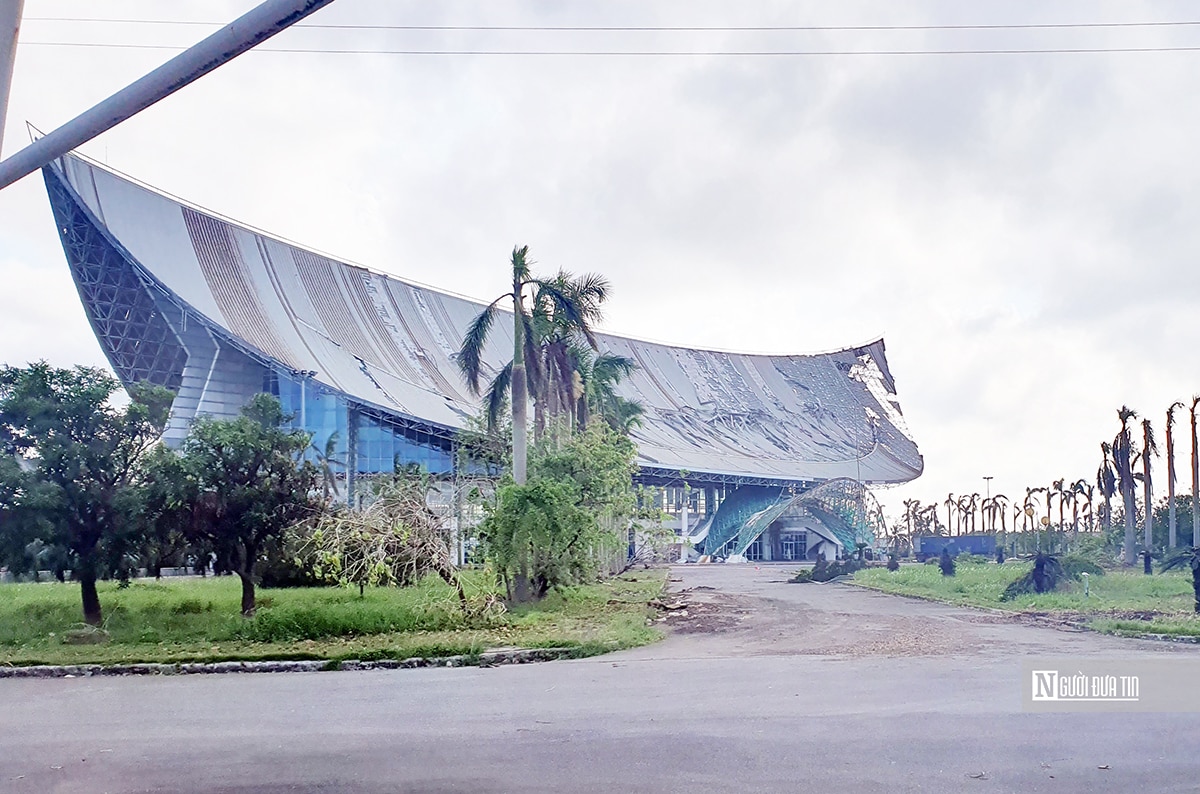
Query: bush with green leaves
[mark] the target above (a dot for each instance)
(539, 537)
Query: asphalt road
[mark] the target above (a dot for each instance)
(763, 687)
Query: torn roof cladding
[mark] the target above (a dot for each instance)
(392, 344)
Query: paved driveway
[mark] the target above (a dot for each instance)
(774, 693)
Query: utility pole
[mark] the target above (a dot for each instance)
(239, 36)
(10, 30)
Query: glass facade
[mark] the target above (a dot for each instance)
(379, 446)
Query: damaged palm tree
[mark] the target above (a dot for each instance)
(396, 540)
(1045, 576)
(1189, 558)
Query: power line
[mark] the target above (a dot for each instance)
(643, 53)
(657, 28)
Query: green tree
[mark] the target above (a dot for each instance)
(242, 482)
(85, 456)
(579, 501)
(564, 341)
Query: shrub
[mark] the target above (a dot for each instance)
(967, 558)
(946, 563)
(540, 538)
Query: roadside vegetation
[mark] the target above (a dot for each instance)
(198, 620)
(1116, 601)
(90, 497)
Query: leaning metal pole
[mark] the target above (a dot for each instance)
(246, 32)
(10, 28)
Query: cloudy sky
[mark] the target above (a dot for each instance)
(1020, 228)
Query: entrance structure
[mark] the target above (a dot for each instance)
(218, 311)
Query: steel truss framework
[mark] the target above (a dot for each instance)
(119, 299)
(138, 341)
(845, 506)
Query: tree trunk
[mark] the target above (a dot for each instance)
(1130, 501)
(1148, 494)
(519, 387)
(247, 595)
(1195, 480)
(1171, 517)
(91, 599)
(522, 590)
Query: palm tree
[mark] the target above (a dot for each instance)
(1079, 490)
(950, 503)
(564, 342)
(1195, 476)
(1106, 481)
(1172, 519)
(1123, 459)
(514, 377)
(599, 376)
(1149, 449)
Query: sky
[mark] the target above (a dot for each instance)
(1020, 228)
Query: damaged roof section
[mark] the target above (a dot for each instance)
(392, 344)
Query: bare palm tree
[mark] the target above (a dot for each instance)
(1172, 519)
(1123, 455)
(1106, 482)
(1149, 449)
(1195, 475)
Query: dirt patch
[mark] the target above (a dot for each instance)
(736, 624)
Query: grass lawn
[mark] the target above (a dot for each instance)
(197, 620)
(1120, 601)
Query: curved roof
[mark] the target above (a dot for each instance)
(392, 344)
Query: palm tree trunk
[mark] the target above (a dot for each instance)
(1171, 517)
(1195, 478)
(518, 386)
(1130, 501)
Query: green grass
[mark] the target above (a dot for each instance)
(197, 620)
(1119, 602)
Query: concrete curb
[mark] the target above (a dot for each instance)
(489, 659)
